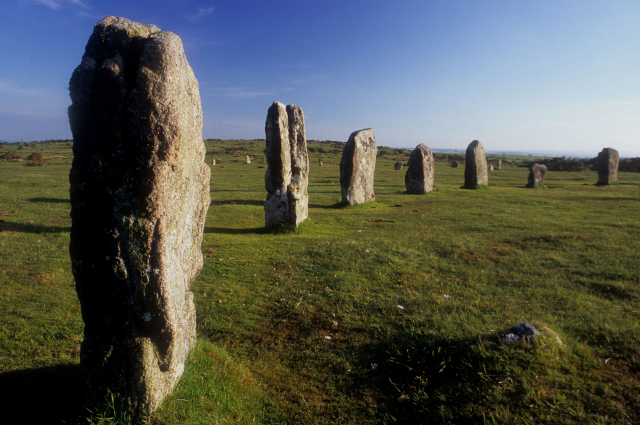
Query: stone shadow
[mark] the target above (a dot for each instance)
(225, 231)
(238, 202)
(51, 200)
(7, 226)
(47, 395)
(334, 206)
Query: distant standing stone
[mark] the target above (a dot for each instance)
(475, 169)
(139, 191)
(536, 175)
(420, 170)
(608, 166)
(490, 167)
(264, 158)
(213, 161)
(319, 162)
(248, 159)
(287, 176)
(499, 166)
(397, 165)
(454, 164)
(357, 167)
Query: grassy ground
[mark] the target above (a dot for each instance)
(382, 313)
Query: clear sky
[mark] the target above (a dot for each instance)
(534, 76)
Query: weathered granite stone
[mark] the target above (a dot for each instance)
(213, 161)
(475, 167)
(319, 163)
(454, 164)
(357, 167)
(264, 158)
(608, 166)
(499, 165)
(139, 191)
(536, 175)
(287, 176)
(248, 159)
(397, 165)
(490, 167)
(523, 331)
(297, 190)
(420, 170)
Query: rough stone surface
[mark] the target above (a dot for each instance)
(608, 166)
(357, 167)
(319, 163)
(475, 167)
(499, 165)
(213, 161)
(397, 165)
(420, 170)
(139, 191)
(454, 164)
(248, 159)
(490, 167)
(536, 175)
(523, 331)
(287, 176)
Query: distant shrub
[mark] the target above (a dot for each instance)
(560, 164)
(37, 159)
(311, 149)
(10, 156)
(629, 165)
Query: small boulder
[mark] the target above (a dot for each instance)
(536, 175)
(397, 165)
(454, 164)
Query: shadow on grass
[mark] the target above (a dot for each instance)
(48, 395)
(7, 226)
(252, 230)
(334, 206)
(238, 202)
(51, 200)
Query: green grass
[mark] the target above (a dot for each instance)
(464, 265)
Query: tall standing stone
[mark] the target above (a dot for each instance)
(536, 175)
(499, 165)
(397, 166)
(357, 167)
(139, 196)
(607, 163)
(248, 159)
(287, 176)
(454, 164)
(475, 166)
(419, 177)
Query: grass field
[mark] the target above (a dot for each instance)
(381, 313)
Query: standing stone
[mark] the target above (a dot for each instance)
(536, 175)
(419, 177)
(139, 191)
(608, 166)
(287, 176)
(357, 167)
(475, 167)
(264, 158)
(499, 165)
(319, 163)
(397, 165)
(454, 164)
(490, 167)
(248, 159)
(213, 161)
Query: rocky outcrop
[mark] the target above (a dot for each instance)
(139, 191)
(287, 176)
(607, 164)
(419, 177)
(536, 175)
(475, 166)
(357, 167)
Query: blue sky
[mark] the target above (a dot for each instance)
(534, 76)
